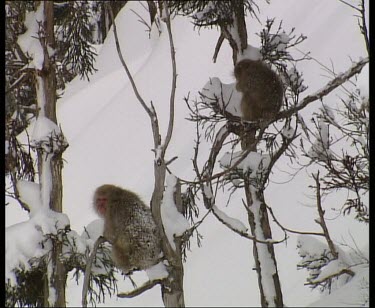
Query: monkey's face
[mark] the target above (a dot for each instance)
(101, 204)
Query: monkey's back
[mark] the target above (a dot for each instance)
(138, 244)
(261, 88)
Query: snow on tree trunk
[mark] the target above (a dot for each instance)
(50, 148)
(172, 287)
(264, 254)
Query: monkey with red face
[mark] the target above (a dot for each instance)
(129, 227)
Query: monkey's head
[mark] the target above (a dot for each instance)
(242, 72)
(103, 194)
(242, 66)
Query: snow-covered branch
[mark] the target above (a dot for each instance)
(143, 288)
(328, 88)
(175, 224)
(321, 279)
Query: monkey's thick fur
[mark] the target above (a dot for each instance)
(130, 228)
(262, 90)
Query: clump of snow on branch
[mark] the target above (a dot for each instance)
(24, 253)
(206, 14)
(47, 138)
(175, 224)
(332, 268)
(254, 162)
(29, 41)
(44, 130)
(157, 271)
(280, 40)
(21, 250)
(223, 96)
(234, 223)
(321, 264)
(251, 52)
(30, 194)
(92, 231)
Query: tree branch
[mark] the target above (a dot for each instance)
(218, 46)
(143, 288)
(174, 81)
(290, 230)
(140, 99)
(245, 234)
(330, 86)
(321, 220)
(335, 275)
(86, 281)
(150, 110)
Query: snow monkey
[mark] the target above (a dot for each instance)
(129, 227)
(262, 90)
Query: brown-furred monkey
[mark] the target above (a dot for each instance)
(129, 227)
(262, 90)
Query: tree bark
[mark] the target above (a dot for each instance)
(46, 84)
(172, 287)
(260, 222)
(152, 10)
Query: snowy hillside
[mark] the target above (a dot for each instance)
(110, 141)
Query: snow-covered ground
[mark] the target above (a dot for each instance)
(110, 141)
